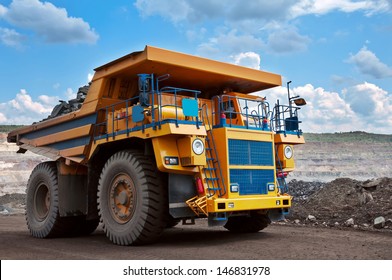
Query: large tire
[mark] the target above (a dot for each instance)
(255, 222)
(42, 203)
(131, 200)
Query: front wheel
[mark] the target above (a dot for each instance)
(254, 222)
(131, 200)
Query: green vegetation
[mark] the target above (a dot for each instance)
(8, 128)
(352, 137)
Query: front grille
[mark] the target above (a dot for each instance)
(252, 181)
(247, 152)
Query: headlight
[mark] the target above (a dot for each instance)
(288, 152)
(198, 146)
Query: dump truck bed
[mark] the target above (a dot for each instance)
(70, 136)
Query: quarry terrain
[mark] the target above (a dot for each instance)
(341, 180)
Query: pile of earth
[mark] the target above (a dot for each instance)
(340, 203)
(343, 202)
(12, 203)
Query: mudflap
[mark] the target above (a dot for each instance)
(217, 219)
(277, 215)
(181, 188)
(72, 195)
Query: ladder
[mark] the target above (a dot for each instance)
(213, 171)
(214, 184)
(209, 174)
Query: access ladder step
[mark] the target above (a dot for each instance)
(210, 168)
(212, 179)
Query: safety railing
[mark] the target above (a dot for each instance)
(173, 94)
(285, 119)
(234, 111)
(164, 106)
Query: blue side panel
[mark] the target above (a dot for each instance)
(190, 107)
(70, 143)
(138, 128)
(246, 152)
(90, 119)
(252, 181)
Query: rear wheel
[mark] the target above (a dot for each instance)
(131, 200)
(42, 205)
(255, 222)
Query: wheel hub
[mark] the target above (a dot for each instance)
(41, 202)
(122, 198)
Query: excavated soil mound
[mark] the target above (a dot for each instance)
(344, 202)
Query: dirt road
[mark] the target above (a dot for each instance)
(200, 242)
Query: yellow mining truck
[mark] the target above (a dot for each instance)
(157, 138)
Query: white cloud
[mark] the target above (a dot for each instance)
(260, 10)
(321, 7)
(70, 94)
(47, 100)
(244, 21)
(175, 10)
(367, 99)
(287, 40)
(230, 42)
(3, 10)
(90, 77)
(48, 21)
(3, 119)
(364, 107)
(24, 110)
(10, 37)
(368, 63)
(248, 59)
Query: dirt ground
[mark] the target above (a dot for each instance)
(328, 220)
(276, 242)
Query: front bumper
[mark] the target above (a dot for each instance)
(248, 203)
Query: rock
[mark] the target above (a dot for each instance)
(336, 224)
(365, 197)
(379, 222)
(372, 185)
(388, 223)
(349, 222)
(296, 221)
(311, 218)
(366, 225)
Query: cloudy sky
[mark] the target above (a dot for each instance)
(336, 53)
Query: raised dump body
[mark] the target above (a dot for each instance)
(163, 137)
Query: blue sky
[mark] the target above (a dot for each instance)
(336, 53)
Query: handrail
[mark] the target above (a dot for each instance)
(252, 111)
(126, 104)
(285, 119)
